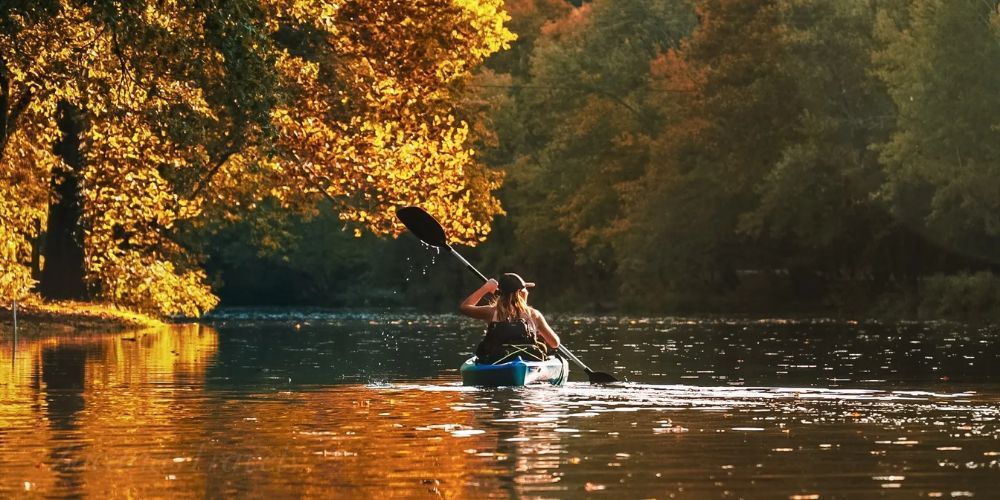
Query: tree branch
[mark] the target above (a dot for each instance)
(203, 182)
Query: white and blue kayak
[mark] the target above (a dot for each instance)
(553, 370)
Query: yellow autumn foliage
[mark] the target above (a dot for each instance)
(362, 116)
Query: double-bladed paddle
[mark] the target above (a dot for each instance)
(424, 226)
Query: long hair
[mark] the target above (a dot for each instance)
(510, 306)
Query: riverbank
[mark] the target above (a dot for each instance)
(35, 315)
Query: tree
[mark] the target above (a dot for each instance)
(573, 133)
(939, 61)
(819, 201)
(707, 163)
(191, 112)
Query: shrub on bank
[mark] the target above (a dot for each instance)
(960, 296)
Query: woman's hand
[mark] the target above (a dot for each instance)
(491, 285)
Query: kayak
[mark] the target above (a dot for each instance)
(515, 373)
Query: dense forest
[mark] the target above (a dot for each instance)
(714, 156)
(653, 156)
(754, 155)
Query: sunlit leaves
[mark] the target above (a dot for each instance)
(34, 77)
(384, 135)
(196, 111)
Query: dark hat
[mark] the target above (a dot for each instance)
(510, 283)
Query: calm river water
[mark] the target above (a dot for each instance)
(366, 405)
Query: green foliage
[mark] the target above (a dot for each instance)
(714, 153)
(773, 152)
(573, 134)
(962, 296)
(277, 257)
(664, 155)
(941, 63)
(818, 201)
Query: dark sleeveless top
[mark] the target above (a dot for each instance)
(507, 340)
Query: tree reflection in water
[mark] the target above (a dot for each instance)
(335, 409)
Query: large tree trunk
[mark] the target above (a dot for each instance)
(63, 268)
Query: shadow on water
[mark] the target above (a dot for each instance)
(368, 405)
(338, 350)
(819, 353)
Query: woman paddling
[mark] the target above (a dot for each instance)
(514, 328)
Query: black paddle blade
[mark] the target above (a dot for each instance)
(601, 378)
(423, 225)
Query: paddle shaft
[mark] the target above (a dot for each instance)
(467, 264)
(565, 352)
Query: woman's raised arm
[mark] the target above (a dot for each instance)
(470, 307)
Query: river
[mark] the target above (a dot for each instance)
(354, 405)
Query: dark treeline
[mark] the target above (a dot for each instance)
(715, 156)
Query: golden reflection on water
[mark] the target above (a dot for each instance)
(128, 415)
(77, 411)
(183, 411)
